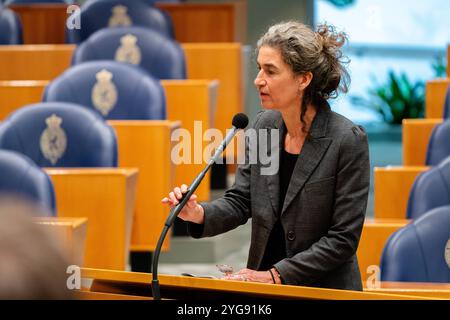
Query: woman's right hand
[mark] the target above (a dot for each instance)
(192, 211)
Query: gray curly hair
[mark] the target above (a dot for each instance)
(318, 52)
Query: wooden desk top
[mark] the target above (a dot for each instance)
(108, 279)
(424, 289)
(60, 221)
(128, 172)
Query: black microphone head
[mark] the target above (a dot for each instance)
(240, 120)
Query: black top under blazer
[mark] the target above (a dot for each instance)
(324, 208)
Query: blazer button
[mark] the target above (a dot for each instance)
(291, 235)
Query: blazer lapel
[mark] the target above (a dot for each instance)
(310, 156)
(273, 181)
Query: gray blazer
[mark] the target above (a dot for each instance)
(324, 208)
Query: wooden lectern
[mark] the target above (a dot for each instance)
(108, 284)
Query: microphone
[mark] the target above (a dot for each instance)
(240, 121)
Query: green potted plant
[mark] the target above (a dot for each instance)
(397, 99)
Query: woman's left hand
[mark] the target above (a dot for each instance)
(250, 275)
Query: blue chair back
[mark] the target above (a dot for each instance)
(115, 90)
(419, 252)
(10, 27)
(438, 146)
(22, 177)
(161, 57)
(431, 189)
(57, 134)
(447, 104)
(96, 15)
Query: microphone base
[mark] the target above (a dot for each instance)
(156, 290)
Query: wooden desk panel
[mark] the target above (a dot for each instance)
(373, 238)
(190, 101)
(179, 287)
(435, 97)
(392, 186)
(70, 232)
(46, 23)
(416, 136)
(106, 197)
(208, 22)
(224, 63)
(34, 62)
(146, 145)
(42, 23)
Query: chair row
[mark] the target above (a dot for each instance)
(61, 135)
(203, 61)
(188, 22)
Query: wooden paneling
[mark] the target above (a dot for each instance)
(71, 234)
(435, 97)
(193, 22)
(224, 63)
(42, 23)
(192, 102)
(392, 186)
(416, 136)
(146, 145)
(373, 238)
(208, 22)
(106, 197)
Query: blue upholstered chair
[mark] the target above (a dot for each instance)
(10, 27)
(161, 57)
(438, 146)
(22, 177)
(431, 189)
(419, 252)
(96, 15)
(115, 90)
(58, 134)
(447, 104)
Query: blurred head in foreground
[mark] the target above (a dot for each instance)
(32, 262)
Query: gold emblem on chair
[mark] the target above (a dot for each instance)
(53, 139)
(119, 17)
(104, 93)
(447, 253)
(128, 50)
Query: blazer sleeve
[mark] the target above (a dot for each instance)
(231, 210)
(341, 241)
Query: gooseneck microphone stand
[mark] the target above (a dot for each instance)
(240, 121)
